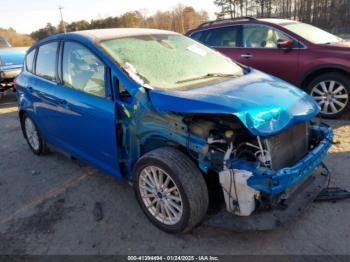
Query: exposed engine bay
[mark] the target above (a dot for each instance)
(226, 135)
(232, 146)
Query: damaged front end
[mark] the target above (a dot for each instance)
(262, 146)
(259, 172)
(283, 162)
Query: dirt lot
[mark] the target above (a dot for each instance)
(47, 207)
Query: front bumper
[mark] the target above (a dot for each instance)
(274, 183)
(261, 220)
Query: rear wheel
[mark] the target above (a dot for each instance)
(170, 190)
(331, 91)
(34, 139)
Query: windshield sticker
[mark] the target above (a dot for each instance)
(197, 50)
(131, 70)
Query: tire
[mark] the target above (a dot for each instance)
(317, 90)
(185, 176)
(39, 146)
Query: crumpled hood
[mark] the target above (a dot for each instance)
(265, 104)
(12, 56)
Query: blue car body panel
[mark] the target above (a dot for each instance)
(11, 63)
(85, 126)
(12, 58)
(266, 105)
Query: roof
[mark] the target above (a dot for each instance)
(98, 35)
(246, 19)
(278, 21)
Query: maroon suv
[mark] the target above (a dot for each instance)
(302, 54)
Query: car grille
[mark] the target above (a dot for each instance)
(288, 147)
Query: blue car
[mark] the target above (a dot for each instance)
(11, 63)
(200, 137)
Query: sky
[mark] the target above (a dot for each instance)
(26, 16)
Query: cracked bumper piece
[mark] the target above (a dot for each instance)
(262, 220)
(274, 183)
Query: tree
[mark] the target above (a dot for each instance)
(131, 19)
(15, 38)
(331, 15)
(227, 8)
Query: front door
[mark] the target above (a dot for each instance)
(260, 51)
(87, 121)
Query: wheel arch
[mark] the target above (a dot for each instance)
(319, 70)
(156, 141)
(21, 114)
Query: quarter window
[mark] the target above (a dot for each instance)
(30, 60)
(82, 70)
(223, 37)
(197, 36)
(46, 61)
(257, 36)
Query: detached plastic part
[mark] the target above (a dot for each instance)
(239, 197)
(299, 201)
(333, 194)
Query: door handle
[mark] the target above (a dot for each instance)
(30, 89)
(247, 56)
(63, 102)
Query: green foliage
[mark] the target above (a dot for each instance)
(16, 39)
(180, 19)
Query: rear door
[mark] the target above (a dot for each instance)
(87, 117)
(226, 40)
(260, 51)
(41, 86)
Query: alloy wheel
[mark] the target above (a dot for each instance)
(331, 96)
(160, 195)
(31, 134)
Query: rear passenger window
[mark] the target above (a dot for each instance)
(197, 36)
(223, 37)
(30, 61)
(46, 61)
(82, 70)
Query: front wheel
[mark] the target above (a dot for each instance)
(331, 91)
(170, 190)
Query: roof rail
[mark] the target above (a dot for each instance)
(272, 17)
(220, 21)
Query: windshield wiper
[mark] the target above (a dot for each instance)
(209, 75)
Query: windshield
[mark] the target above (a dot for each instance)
(311, 33)
(169, 61)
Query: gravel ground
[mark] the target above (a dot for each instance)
(48, 206)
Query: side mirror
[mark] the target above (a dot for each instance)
(285, 43)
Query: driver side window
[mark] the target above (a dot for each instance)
(258, 36)
(82, 70)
